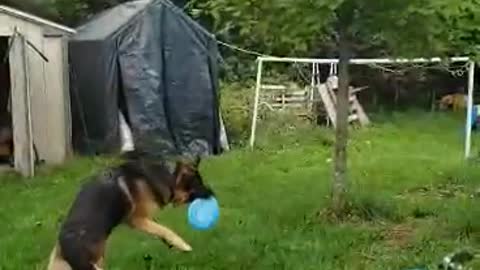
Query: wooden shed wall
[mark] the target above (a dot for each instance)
(48, 86)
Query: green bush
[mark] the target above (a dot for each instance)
(236, 103)
(237, 107)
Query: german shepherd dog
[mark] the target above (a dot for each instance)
(126, 194)
(457, 102)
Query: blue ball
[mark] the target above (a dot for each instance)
(203, 213)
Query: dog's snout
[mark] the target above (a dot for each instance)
(203, 193)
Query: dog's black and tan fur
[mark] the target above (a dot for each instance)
(129, 194)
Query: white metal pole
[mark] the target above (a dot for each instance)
(363, 61)
(468, 136)
(312, 82)
(255, 104)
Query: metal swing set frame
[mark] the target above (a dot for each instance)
(261, 60)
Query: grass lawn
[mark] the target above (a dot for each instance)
(411, 204)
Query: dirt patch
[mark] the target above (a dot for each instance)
(441, 191)
(399, 235)
(361, 210)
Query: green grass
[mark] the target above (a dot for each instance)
(410, 193)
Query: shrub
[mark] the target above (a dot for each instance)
(237, 107)
(236, 103)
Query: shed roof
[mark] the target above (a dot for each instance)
(34, 19)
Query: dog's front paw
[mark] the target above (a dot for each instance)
(170, 246)
(184, 247)
(178, 244)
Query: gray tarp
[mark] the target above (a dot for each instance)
(155, 64)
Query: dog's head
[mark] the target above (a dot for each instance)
(445, 102)
(189, 184)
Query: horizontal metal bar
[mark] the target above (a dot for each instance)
(360, 61)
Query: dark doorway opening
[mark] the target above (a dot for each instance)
(6, 128)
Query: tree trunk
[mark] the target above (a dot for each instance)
(433, 100)
(340, 183)
(397, 95)
(375, 99)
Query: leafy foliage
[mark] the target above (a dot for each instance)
(69, 12)
(400, 27)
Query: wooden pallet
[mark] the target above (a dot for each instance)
(329, 103)
(280, 97)
(329, 100)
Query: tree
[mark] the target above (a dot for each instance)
(404, 28)
(69, 12)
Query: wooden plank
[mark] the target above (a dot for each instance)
(273, 87)
(291, 94)
(358, 89)
(223, 134)
(21, 115)
(66, 102)
(328, 103)
(290, 99)
(299, 93)
(41, 120)
(362, 116)
(54, 98)
(333, 95)
(288, 105)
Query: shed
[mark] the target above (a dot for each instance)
(150, 62)
(34, 89)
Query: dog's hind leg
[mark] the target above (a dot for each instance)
(56, 262)
(150, 227)
(100, 263)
